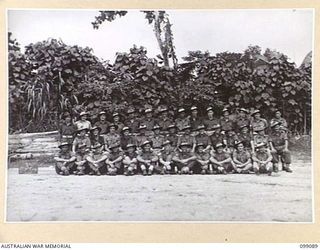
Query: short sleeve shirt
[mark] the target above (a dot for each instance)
(258, 124)
(203, 156)
(209, 123)
(182, 122)
(114, 155)
(157, 141)
(184, 155)
(245, 138)
(147, 155)
(67, 129)
(82, 140)
(173, 138)
(112, 139)
(226, 124)
(262, 155)
(278, 138)
(83, 124)
(103, 125)
(243, 156)
(221, 156)
(166, 155)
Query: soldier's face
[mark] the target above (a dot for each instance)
(167, 147)
(103, 117)
(261, 132)
(116, 149)
(96, 131)
(116, 118)
(220, 149)
(182, 114)
(142, 131)
(194, 113)
(126, 132)
(200, 149)
(82, 150)
(147, 148)
(257, 115)
(244, 130)
(202, 131)
(240, 147)
(149, 114)
(65, 148)
(278, 114)
(82, 133)
(187, 131)
(185, 149)
(157, 131)
(130, 150)
(68, 119)
(241, 113)
(112, 129)
(131, 115)
(210, 113)
(226, 113)
(230, 133)
(277, 127)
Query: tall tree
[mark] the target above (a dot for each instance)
(161, 27)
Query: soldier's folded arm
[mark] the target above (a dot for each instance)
(117, 159)
(214, 160)
(57, 158)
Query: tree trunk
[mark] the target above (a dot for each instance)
(157, 31)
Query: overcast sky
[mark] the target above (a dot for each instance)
(288, 31)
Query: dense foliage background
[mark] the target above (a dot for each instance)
(51, 77)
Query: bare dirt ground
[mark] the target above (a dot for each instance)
(284, 197)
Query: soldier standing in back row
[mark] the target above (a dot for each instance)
(132, 121)
(258, 123)
(195, 121)
(102, 123)
(278, 141)
(210, 121)
(279, 118)
(164, 121)
(67, 129)
(242, 119)
(182, 121)
(117, 122)
(225, 121)
(149, 121)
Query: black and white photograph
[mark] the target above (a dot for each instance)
(159, 115)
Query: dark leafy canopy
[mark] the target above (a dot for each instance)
(51, 72)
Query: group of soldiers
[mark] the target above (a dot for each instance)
(158, 144)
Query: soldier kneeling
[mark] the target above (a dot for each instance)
(130, 161)
(147, 158)
(64, 160)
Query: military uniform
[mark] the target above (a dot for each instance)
(185, 167)
(257, 124)
(227, 166)
(140, 139)
(262, 155)
(278, 140)
(242, 121)
(195, 122)
(67, 132)
(83, 124)
(281, 121)
(242, 157)
(173, 138)
(216, 138)
(226, 124)
(246, 139)
(147, 161)
(117, 167)
(258, 139)
(210, 123)
(97, 139)
(164, 124)
(203, 139)
(181, 123)
(81, 140)
(65, 168)
(202, 158)
(133, 124)
(165, 158)
(230, 141)
(112, 139)
(127, 139)
(81, 162)
(103, 125)
(96, 155)
(186, 138)
(130, 163)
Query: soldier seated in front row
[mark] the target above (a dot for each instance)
(202, 137)
(203, 160)
(279, 147)
(184, 159)
(221, 160)
(241, 158)
(147, 158)
(262, 159)
(81, 160)
(130, 161)
(114, 160)
(165, 158)
(64, 160)
(81, 138)
(96, 159)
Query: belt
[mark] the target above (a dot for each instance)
(67, 136)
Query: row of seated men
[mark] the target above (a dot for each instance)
(211, 150)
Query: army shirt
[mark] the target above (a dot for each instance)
(258, 124)
(103, 125)
(112, 139)
(278, 139)
(243, 156)
(203, 138)
(157, 141)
